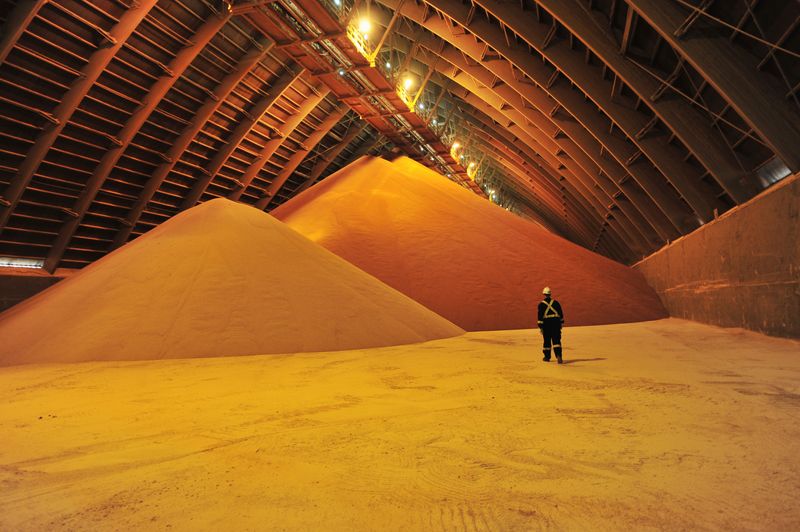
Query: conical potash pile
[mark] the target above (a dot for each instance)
(466, 259)
(221, 279)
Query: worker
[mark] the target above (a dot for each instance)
(550, 320)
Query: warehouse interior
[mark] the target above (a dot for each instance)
(275, 264)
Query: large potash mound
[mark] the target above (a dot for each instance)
(221, 279)
(469, 260)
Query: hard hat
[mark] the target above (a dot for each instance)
(546, 290)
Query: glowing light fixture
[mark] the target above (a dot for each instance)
(337, 2)
(454, 147)
(364, 26)
(472, 171)
(341, 72)
(434, 122)
(408, 83)
(14, 262)
(388, 64)
(421, 106)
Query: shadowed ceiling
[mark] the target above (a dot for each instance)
(620, 125)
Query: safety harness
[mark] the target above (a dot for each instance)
(550, 312)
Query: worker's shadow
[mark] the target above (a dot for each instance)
(573, 360)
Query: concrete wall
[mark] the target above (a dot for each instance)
(741, 270)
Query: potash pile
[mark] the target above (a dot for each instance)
(221, 279)
(467, 259)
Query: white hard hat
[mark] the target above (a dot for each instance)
(546, 290)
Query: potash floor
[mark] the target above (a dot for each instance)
(660, 425)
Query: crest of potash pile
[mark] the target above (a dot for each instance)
(474, 263)
(221, 279)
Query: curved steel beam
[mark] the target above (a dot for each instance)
(97, 63)
(212, 103)
(318, 93)
(441, 50)
(18, 19)
(688, 124)
(583, 191)
(299, 155)
(529, 182)
(546, 77)
(126, 135)
(325, 161)
(276, 90)
(515, 141)
(580, 164)
(735, 75)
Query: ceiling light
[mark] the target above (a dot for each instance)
(408, 82)
(341, 72)
(364, 26)
(388, 64)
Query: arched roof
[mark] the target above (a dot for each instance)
(620, 124)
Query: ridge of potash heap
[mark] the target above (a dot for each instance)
(474, 263)
(220, 279)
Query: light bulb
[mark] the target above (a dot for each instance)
(364, 26)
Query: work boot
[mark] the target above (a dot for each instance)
(559, 360)
(546, 359)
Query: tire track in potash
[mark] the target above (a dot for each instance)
(460, 517)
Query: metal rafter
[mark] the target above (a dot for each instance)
(318, 93)
(546, 77)
(688, 124)
(179, 146)
(324, 161)
(734, 74)
(18, 19)
(97, 63)
(128, 132)
(276, 90)
(541, 141)
(580, 164)
(298, 156)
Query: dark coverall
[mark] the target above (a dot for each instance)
(550, 319)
